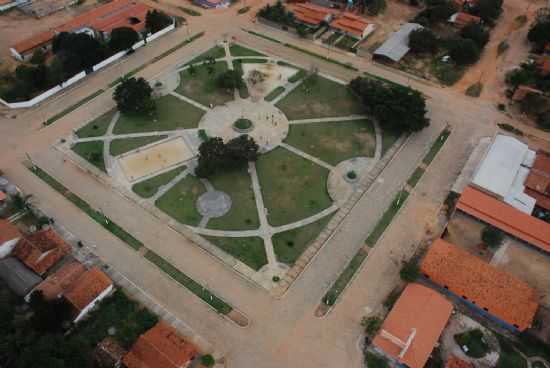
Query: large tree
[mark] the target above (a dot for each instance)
(539, 34)
(122, 38)
(488, 10)
(230, 79)
(464, 51)
(134, 96)
(395, 107)
(155, 20)
(77, 51)
(216, 156)
(423, 40)
(477, 33)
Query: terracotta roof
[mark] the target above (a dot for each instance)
(310, 13)
(61, 280)
(539, 175)
(87, 287)
(505, 217)
(350, 23)
(498, 292)
(8, 231)
(2, 196)
(41, 250)
(420, 311)
(454, 362)
(463, 19)
(522, 91)
(160, 347)
(104, 18)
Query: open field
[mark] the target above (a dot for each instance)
(202, 86)
(179, 201)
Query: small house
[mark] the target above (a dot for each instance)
(41, 250)
(87, 290)
(352, 25)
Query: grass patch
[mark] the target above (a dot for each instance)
(250, 250)
(91, 152)
(332, 38)
(322, 98)
(300, 74)
(97, 216)
(127, 317)
(474, 342)
(215, 52)
(346, 43)
(289, 245)
(415, 177)
(334, 142)
(120, 146)
(374, 361)
(172, 113)
(447, 73)
(243, 214)
(202, 86)
(274, 94)
(189, 11)
(219, 305)
(436, 146)
(149, 187)
(179, 201)
(97, 127)
(389, 137)
(509, 357)
(250, 61)
(345, 277)
(293, 188)
(387, 218)
(70, 109)
(264, 37)
(237, 50)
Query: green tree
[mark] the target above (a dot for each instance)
(38, 57)
(525, 74)
(441, 12)
(396, 107)
(539, 34)
(77, 51)
(155, 20)
(216, 156)
(230, 79)
(492, 236)
(488, 10)
(122, 38)
(423, 40)
(477, 33)
(534, 104)
(134, 96)
(464, 52)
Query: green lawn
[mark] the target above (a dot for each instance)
(91, 152)
(215, 52)
(334, 142)
(202, 86)
(389, 137)
(293, 188)
(436, 146)
(250, 251)
(97, 127)
(172, 113)
(290, 245)
(243, 214)
(179, 201)
(387, 217)
(149, 187)
(415, 177)
(274, 94)
(345, 277)
(322, 99)
(120, 146)
(474, 340)
(238, 50)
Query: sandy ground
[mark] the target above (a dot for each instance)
(465, 232)
(491, 69)
(274, 76)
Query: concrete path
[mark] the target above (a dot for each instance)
(111, 136)
(307, 156)
(165, 188)
(329, 120)
(190, 101)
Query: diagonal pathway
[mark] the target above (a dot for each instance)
(165, 188)
(110, 136)
(107, 158)
(289, 87)
(188, 100)
(329, 120)
(327, 211)
(307, 156)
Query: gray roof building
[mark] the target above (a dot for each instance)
(19, 278)
(397, 45)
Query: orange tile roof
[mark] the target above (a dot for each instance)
(522, 91)
(454, 362)
(310, 13)
(104, 18)
(41, 250)
(8, 231)
(419, 309)
(61, 280)
(2, 196)
(505, 217)
(350, 23)
(87, 287)
(538, 181)
(160, 347)
(541, 199)
(463, 19)
(500, 293)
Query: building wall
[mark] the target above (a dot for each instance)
(7, 247)
(90, 306)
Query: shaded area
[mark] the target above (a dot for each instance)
(97, 127)
(201, 85)
(172, 113)
(250, 251)
(389, 137)
(91, 152)
(120, 146)
(289, 245)
(293, 188)
(243, 214)
(334, 142)
(179, 201)
(149, 187)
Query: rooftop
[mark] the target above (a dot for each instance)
(8, 231)
(87, 287)
(351, 23)
(59, 281)
(539, 176)
(413, 326)
(505, 217)
(41, 250)
(19, 278)
(311, 13)
(454, 362)
(498, 292)
(397, 45)
(160, 347)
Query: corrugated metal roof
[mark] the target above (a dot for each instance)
(397, 45)
(19, 278)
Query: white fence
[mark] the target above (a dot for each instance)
(82, 75)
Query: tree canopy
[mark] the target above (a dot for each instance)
(477, 33)
(539, 34)
(155, 20)
(216, 156)
(77, 51)
(122, 38)
(464, 51)
(488, 10)
(134, 96)
(230, 79)
(423, 40)
(395, 107)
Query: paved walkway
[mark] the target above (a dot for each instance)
(307, 156)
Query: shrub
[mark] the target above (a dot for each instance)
(492, 236)
(539, 35)
(534, 103)
(477, 33)
(38, 57)
(134, 96)
(474, 341)
(155, 20)
(207, 360)
(374, 361)
(502, 46)
(488, 10)
(410, 271)
(375, 7)
(474, 90)
(423, 40)
(510, 128)
(230, 79)
(390, 300)
(123, 38)
(464, 52)
(371, 325)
